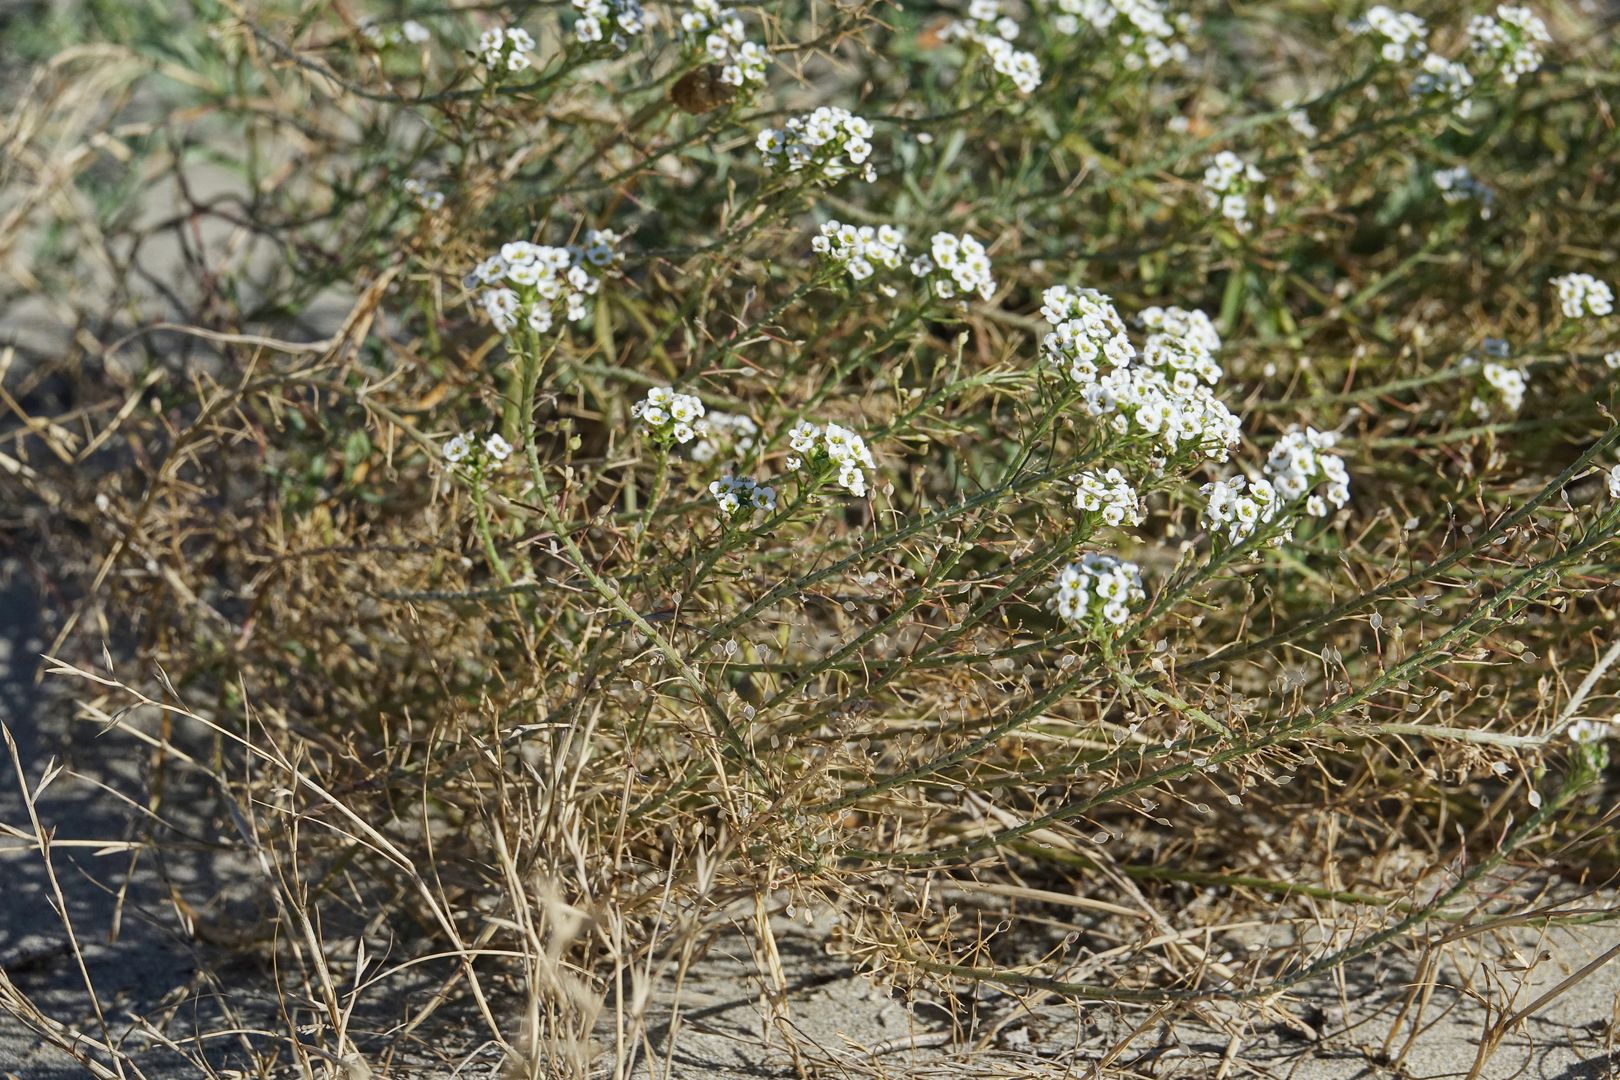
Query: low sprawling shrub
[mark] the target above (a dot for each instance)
(602, 474)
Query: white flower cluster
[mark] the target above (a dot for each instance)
(1587, 731)
(1086, 331)
(955, 266)
(1508, 384)
(1239, 506)
(1166, 397)
(1228, 183)
(426, 198)
(1399, 35)
(1298, 462)
(528, 282)
(613, 20)
(1580, 295)
(1149, 37)
(860, 250)
(1108, 494)
(1098, 591)
(994, 32)
(817, 447)
(1181, 340)
(506, 48)
(381, 36)
(466, 453)
(718, 430)
(1510, 40)
(742, 496)
(668, 417)
(1442, 78)
(1458, 185)
(717, 35)
(831, 141)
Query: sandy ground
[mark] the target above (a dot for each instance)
(831, 1021)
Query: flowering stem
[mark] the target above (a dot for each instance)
(490, 551)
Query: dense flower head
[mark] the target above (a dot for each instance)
(465, 452)
(669, 418)
(1229, 182)
(616, 21)
(1580, 295)
(1441, 78)
(1143, 29)
(506, 48)
(1510, 40)
(955, 267)
(817, 447)
(426, 198)
(1500, 383)
(723, 431)
(715, 35)
(1457, 185)
(1299, 462)
(1239, 506)
(1399, 35)
(860, 250)
(1098, 592)
(832, 142)
(1164, 395)
(1108, 494)
(994, 32)
(741, 497)
(1190, 325)
(1087, 333)
(528, 283)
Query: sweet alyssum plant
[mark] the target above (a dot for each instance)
(817, 461)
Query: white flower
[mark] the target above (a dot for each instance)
(497, 448)
(426, 198)
(831, 447)
(1507, 383)
(464, 452)
(1097, 593)
(830, 142)
(614, 20)
(1229, 181)
(1240, 506)
(506, 49)
(1510, 41)
(860, 250)
(1109, 495)
(1399, 35)
(991, 31)
(1585, 732)
(1299, 462)
(382, 36)
(712, 34)
(955, 267)
(1580, 295)
(1458, 185)
(532, 282)
(723, 429)
(1439, 77)
(1165, 396)
(669, 418)
(1614, 482)
(1143, 30)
